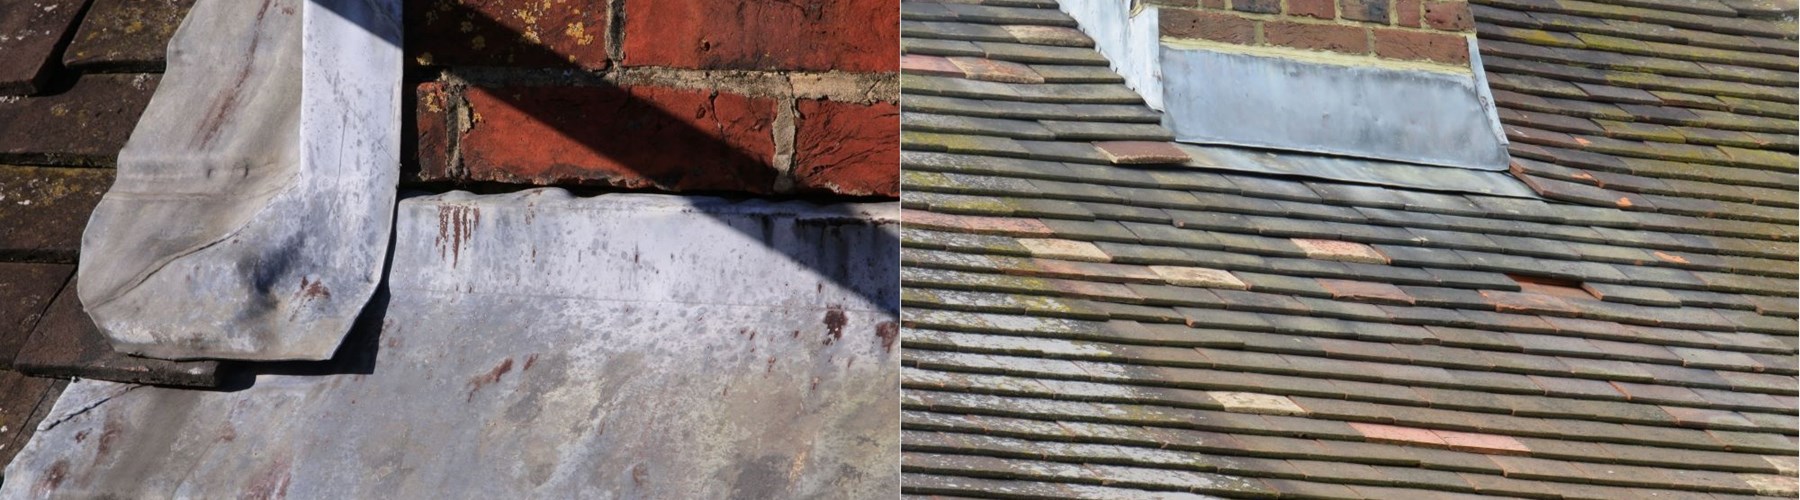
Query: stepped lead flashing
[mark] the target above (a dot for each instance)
(253, 203)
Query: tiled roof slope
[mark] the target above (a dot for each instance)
(1078, 329)
(1677, 107)
(74, 75)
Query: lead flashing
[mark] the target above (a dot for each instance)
(253, 203)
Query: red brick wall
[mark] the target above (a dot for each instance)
(727, 96)
(1416, 30)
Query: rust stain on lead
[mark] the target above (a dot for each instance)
(492, 376)
(53, 479)
(215, 121)
(272, 483)
(313, 289)
(834, 323)
(456, 226)
(889, 332)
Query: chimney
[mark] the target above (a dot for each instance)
(1396, 80)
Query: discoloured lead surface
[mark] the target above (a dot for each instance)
(285, 202)
(1360, 111)
(579, 349)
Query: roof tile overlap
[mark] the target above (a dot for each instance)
(74, 76)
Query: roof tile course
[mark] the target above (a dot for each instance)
(74, 76)
(1669, 369)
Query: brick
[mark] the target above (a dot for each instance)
(1205, 25)
(703, 140)
(1374, 11)
(1330, 37)
(1449, 16)
(842, 35)
(847, 148)
(125, 35)
(545, 34)
(1321, 9)
(1421, 46)
(1141, 152)
(1343, 251)
(432, 113)
(45, 210)
(1262, 404)
(1198, 277)
(1064, 250)
(1407, 13)
(1257, 6)
(914, 64)
(86, 125)
(29, 34)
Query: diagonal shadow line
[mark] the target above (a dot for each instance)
(610, 113)
(671, 165)
(668, 168)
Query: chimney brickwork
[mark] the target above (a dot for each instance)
(1405, 30)
(690, 96)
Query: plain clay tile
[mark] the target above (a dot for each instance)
(1198, 277)
(1140, 152)
(1381, 433)
(996, 71)
(1062, 36)
(1064, 250)
(1257, 403)
(929, 65)
(1491, 444)
(1365, 291)
(1338, 250)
